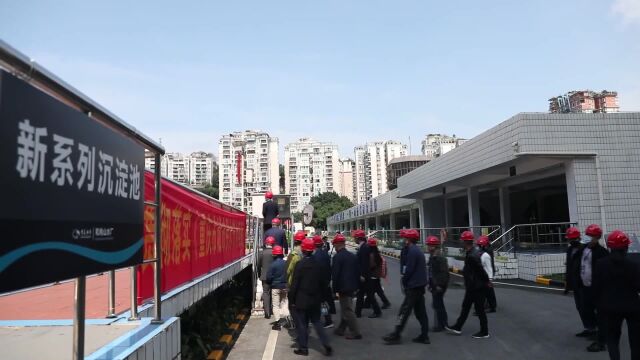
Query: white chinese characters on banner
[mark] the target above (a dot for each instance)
(32, 150)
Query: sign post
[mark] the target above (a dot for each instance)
(307, 214)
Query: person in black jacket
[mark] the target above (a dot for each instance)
(617, 283)
(476, 281)
(264, 261)
(366, 283)
(375, 269)
(278, 234)
(438, 273)
(323, 258)
(414, 281)
(269, 211)
(305, 297)
(588, 257)
(345, 276)
(277, 280)
(571, 274)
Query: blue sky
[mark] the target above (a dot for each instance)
(341, 71)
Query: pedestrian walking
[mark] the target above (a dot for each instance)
(571, 274)
(438, 275)
(345, 275)
(292, 259)
(305, 297)
(414, 280)
(588, 257)
(377, 270)
(264, 262)
(617, 283)
(476, 281)
(366, 283)
(278, 234)
(323, 258)
(277, 279)
(269, 210)
(486, 258)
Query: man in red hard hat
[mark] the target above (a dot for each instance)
(438, 274)
(269, 210)
(292, 261)
(572, 273)
(321, 256)
(278, 234)
(305, 298)
(277, 279)
(345, 275)
(617, 283)
(486, 258)
(588, 257)
(366, 284)
(264, 262)
(378, 270)
(414, 280)
(476, 281)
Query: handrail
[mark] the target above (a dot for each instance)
(504, 234)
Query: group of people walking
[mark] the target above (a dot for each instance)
(605, 286)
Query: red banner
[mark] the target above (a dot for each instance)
(198, 235)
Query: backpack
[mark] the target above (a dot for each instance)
(383, 268)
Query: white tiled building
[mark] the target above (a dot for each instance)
(311, 168)
(248, 165)
(435, 145)
(194, 170)
(371, 162)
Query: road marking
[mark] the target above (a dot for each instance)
(270, 348)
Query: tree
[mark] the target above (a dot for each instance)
(327, 204)
(297, 217)
(210, 190)
(281, 183)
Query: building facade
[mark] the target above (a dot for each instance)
(401, 166)
(201, 169)
(195, 170)
(346, 179)
(436, 145)
(311, 168)
(371, 161)
(248, 165)
(585, 101)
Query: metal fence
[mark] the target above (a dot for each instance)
(533, 238)
(450, 236)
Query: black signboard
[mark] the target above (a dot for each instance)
(284, 205)
(71, 191)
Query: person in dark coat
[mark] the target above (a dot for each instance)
(414, 281)
(269, 211)
(375, 269)
(366, 284)
(588, 257)
(305, 297)
(571, 274)
(278, 234)
(438, 274)
(323, 258)
(345, 276)
(476, 281)
(264, 261)
(617, 283)
(277, 280)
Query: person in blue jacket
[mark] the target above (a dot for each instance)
(414, 280)
(277, 279)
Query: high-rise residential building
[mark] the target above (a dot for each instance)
(195, 170)
(435, 145)
(346, 177)
(311, 168)
(585, 101)
(248, 165)
(371, 161)
(401, 166)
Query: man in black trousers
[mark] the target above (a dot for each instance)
(269, 211)
(366, 283)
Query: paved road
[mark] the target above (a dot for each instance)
(530, 324)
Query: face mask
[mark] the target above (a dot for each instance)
(584, 239)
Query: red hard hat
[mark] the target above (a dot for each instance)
(618, 240)
(467, 236)
(411, 234)
(339, 238)
(593, 230)
(359, 234)
(372, 242)
(277, 250)
(275, 221)
(270, 240)
(432, 240)
(308, 245)
(573, 233)
(299, 236)
(317, 240)
(483, 240)
(268, 195)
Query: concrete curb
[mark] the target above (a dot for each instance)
(549, 282)
(226, 342)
